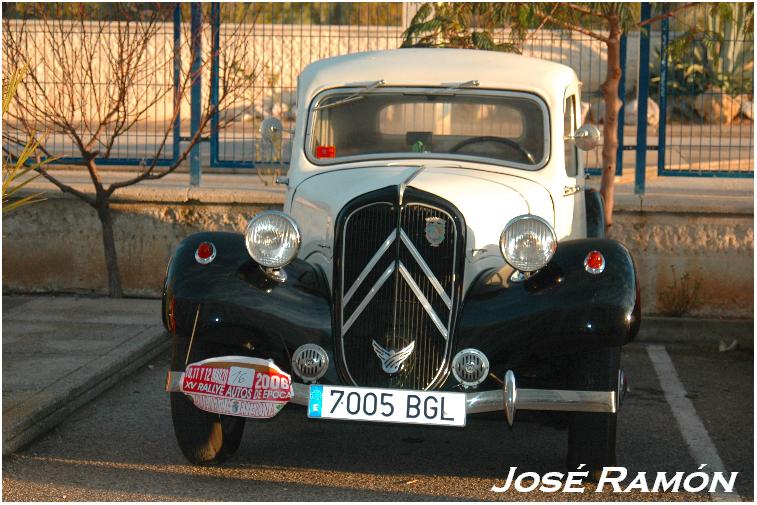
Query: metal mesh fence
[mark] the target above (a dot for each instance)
(703, 82)
(284, 38)
(283, 49)
(70, 91)
(702, 115)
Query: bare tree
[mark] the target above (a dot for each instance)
(94, 81)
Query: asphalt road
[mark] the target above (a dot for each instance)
(122, 447)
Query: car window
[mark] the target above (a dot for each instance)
(571, 154)
(502, 120)
(508, 128)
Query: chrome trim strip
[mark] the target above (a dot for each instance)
(406, 182)
(300, 394)
(535, 399)
(445, 332)
(565, 400)
(173, 381)
(424, 301)
(454, 257)
(511, 397)
(486, 401)
(543, 399)
(380, 282)
(343, 238)
(527, 399)
(372, 263)
(426, 269)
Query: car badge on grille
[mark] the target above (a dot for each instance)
(391, 361)
(435, 230)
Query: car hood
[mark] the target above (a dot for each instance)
(487, 200)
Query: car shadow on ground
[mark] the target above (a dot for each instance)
(123, 443)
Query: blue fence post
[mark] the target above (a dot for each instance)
(176, 83)
(194, 157)
(664, 40)
(643, 97)
(622, 96)
(215, 18)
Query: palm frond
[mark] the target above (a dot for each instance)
(18, 171)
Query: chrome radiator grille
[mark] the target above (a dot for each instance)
(396, 293)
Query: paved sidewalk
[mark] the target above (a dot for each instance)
(60, 352)
(684, 194)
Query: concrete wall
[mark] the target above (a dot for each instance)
(716, 250)
(56, 246)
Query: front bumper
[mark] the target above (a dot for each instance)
(509, 398)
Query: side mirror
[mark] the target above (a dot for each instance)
(587, 137)
(271, 130)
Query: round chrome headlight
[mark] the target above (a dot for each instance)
(528, 243)
(272, 239)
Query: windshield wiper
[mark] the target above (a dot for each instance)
(355, 96)
(460, 85)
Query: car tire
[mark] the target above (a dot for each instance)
(204, 438)
(591, 437)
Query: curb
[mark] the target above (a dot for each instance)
(49, 407)
(687, 330)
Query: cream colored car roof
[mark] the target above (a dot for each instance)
(438, 67)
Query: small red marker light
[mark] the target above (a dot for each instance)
(206, 252)
(325, 152)
(594, 262)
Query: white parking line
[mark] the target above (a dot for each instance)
(694, 433)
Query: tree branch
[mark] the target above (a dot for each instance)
(543, 22)
(581, 9)
(65, 187)
(573, 27)
(671, 13)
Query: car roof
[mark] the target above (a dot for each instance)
(438, 67)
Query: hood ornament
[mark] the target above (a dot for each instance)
(435, 230)
(391, 361)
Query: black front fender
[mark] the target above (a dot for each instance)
(561, 308)
(236, 306)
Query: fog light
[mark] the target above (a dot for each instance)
(470, 367)
(310, 362)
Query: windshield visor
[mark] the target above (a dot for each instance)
(507, 128)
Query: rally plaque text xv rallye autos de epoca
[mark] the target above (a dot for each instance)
(437, 256)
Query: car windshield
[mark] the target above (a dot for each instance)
(508, 128)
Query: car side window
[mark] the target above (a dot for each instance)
(571, 155)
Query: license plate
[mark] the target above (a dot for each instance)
(387, 405)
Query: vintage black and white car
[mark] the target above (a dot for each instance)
(438, 256)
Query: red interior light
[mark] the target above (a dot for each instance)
(325, 152)
(594, 262)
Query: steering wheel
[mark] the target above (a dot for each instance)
(501, 140)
